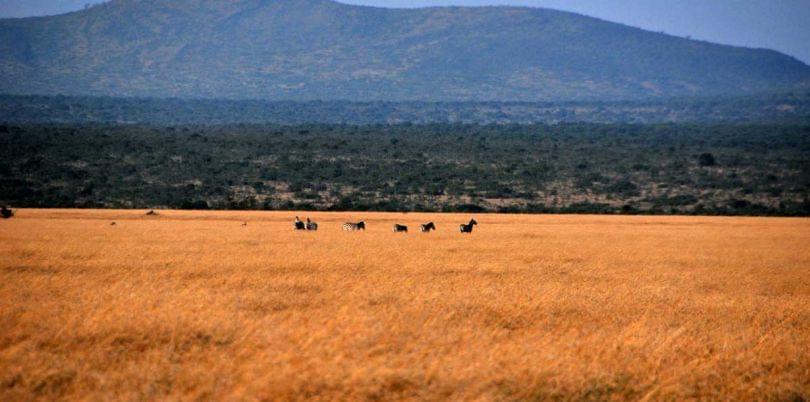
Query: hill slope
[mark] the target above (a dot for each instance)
(319, 49)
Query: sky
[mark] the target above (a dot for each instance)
(782, 25)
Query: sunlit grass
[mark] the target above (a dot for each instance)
(191, 305)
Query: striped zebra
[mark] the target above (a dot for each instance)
(427, 227)
(468, 228)
(352, 227)
(400, 229)
(312, 226)
(299, 225)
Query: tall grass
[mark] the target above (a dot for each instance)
(191, 305)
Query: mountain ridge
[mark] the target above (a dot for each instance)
(321, 49)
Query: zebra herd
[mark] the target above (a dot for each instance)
(312, 226)
(356, 226)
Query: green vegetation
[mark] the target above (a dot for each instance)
(324, 50)
(774, 108)
(754, 169)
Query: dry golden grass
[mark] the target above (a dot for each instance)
(191, 305)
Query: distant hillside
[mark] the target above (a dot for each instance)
(319, 49)
(20, 109)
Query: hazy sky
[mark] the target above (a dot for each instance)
(783, 25)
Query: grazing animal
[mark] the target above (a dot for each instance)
(468, 228)
(427, 227)
(151, 212)
(400, 229)
(6, 213)
(311, 225)
(113, 224)
(299, 225)
(352, 227)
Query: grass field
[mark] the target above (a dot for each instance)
(193, 306)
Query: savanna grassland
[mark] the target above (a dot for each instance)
(194, 306)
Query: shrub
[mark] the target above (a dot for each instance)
(706, 159)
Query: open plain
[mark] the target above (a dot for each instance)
(196, 306)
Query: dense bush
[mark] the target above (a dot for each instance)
(436, 167)
(775, 108)
(706, 159)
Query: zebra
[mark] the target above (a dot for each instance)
(6, 213)
(299, 225)
(311, 225)
(400, 229)
(351, 227)
(468, 228)
(427, 227)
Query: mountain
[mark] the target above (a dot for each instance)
(319, 49)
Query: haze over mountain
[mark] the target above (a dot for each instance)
(36, 8)
(769, 24)
(319, 49)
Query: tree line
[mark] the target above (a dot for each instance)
(722, 169)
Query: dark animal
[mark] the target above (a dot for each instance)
(244, 224)
(400, 229)
(6, 213)
(468, 228)
(151, 212)
(299, 225)
(113, 224)
(427, 227)
(311, 225)
(352, 227)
